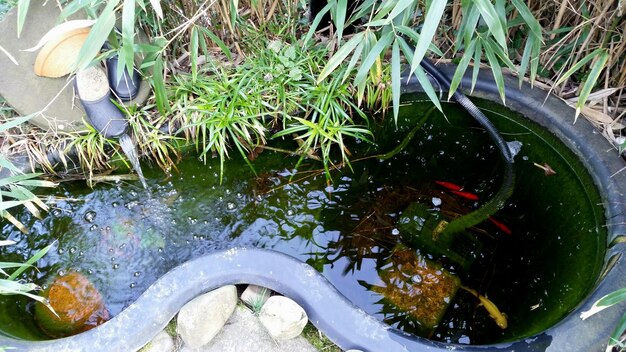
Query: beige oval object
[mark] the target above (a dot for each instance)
(57, 57)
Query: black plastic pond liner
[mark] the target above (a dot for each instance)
(344, 323)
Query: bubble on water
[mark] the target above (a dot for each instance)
(61, 251)
(195, 237)
(108, 228)
(436, 201)
(122, 246)
(231, 206)
(136, 274)
(89, 216)
(239, 195)
(173, 221)
(115, 204)
(160, 250)
(80, 254)
(192, 220)
(395, 232)
(227, 191)
(116, 266)
(93, 228)
(132, 285)
(112, 259)
(89, 271)
(56, 212)
(110, 250)
(290, 212)
(72, 250)
(61, 272)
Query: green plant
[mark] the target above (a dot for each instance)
(15, 189)
(234, 107)
(484, 31)
(258, 301)
(318, 340)
(617, 338)
(11, 286)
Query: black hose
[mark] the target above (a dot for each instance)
(506, 189)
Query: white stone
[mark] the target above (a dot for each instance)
(255, 296)
(283, 318)
(162, 342)
(204, 316)
(244, 333)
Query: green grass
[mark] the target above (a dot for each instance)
(318, 340)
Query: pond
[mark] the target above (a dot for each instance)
(356, 230)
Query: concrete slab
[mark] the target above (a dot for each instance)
(28, 93)
(23, 90)
(244, 332)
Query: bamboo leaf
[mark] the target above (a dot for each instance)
(340, 18)
(16, 121)
(17, 178)
(97, 36)
(22, 11)
(74, 6)
(614, 339)
(395, 79)
(461, 68)
(383, 9)
(478, 53)
(193, 53)
(398, 9)
(158, 83)
(431, 23)
(591, 80)
(525, 62)
(491, 18)
(531, 21)
(409, 32)
(496, 70)
(371, 57)
(496, 49)
(353, 61)
(578, 65)
(215, 39)
(340, 55)
(128, 37)
(604, 302)
(156, 6)
(316, 23)
(421, 76)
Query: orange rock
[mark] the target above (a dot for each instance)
(76, 301)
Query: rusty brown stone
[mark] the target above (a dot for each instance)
(78, 304)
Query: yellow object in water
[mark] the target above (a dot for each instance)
(494, 312)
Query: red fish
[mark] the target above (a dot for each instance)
(449, 186)
(501, 226)
(466, 195)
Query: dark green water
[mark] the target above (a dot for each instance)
(123, 237)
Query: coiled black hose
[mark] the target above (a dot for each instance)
(506, 189)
